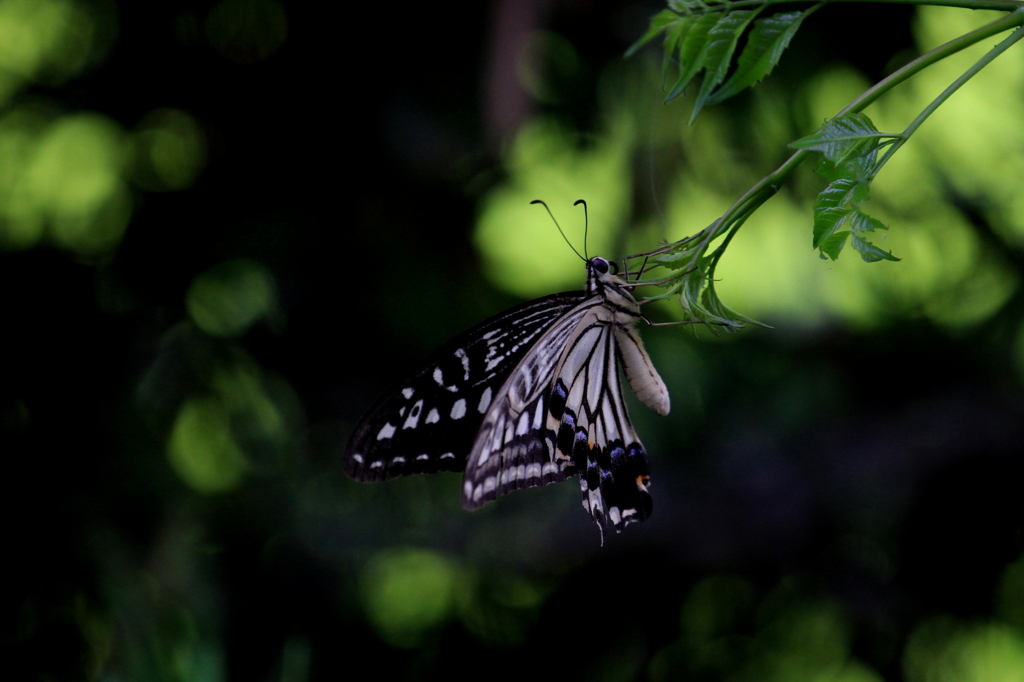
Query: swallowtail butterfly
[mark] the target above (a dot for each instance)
(527, 398)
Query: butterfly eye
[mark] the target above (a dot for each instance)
(600, 264)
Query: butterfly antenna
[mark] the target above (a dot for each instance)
(538, 201)
(586, 225)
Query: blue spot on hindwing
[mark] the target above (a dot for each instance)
(558, 397)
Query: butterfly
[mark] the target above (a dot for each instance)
(527, 398)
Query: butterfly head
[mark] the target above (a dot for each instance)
(603, 279)
(603, 266)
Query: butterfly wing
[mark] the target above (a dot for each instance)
(515, 445)
(561, 413)
(429, 422)
(594, 428)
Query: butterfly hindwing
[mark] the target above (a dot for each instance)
(429, 422)
(562, 414)
(595, 431)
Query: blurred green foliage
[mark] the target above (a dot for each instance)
(408, 592)
(194, 328)
(226, 300)
(769, 274)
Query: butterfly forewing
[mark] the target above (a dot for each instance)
(515, 444)
(429, 422)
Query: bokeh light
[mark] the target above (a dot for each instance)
(230, 297)
(194, 330)
(169, 151)
(407, 593)
(62, 181)
(48, 40)
(522, 249)
(247, 31)
(202, 449)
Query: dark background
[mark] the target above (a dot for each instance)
(809, 512)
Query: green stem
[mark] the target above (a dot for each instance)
(763, 190)
(948, 92)
(717, 255)
(998, 5)
(756, 195)
(937, 54)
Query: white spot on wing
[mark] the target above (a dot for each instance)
(524, 424)
(414, 415)
(438, 376)
(549, 468)
(386, 431)
(461, 355)
(358, 458)
(459, 409)
(485, 400)
(532, 471)
(420, 457)
(467, 488)
(407, 393)
(378, 464)
(432, 417)
(490, 484)
(398, 460)
(447, 455)
(538, 416)
(613, 514)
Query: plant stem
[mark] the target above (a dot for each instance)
(1004, 23)
(756, 195)
(953, 87)
(998, 5)
(764, 189)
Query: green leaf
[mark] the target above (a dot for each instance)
(680, 257)
(862, 222)
(838, 206)
(869, 252)
(833, 244)
(700, 302)
(861, 169)
(844, 138)
(688, 6)
(841, 192)
(765, 45)
(673, 38)
(726, 316)
(659, 22)
(692, 47)
(826, 223)
(717, 56)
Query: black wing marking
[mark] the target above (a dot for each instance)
(429, 422)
